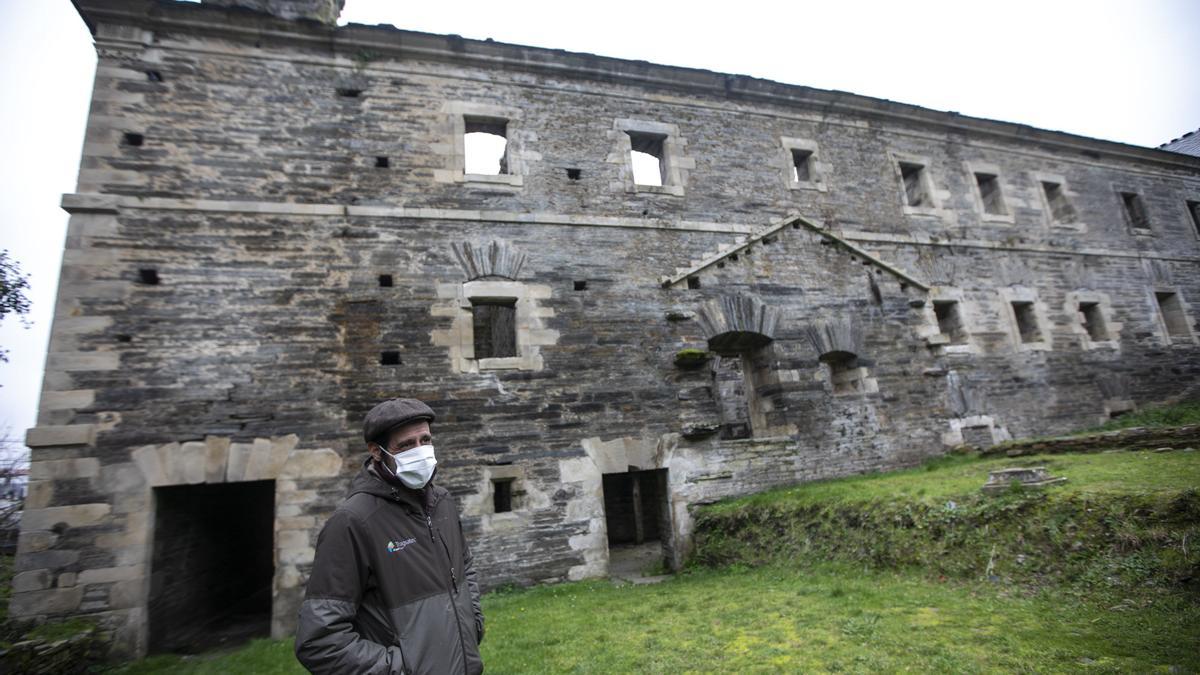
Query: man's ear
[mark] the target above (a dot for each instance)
(374, 449)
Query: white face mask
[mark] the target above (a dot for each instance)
(413, 467)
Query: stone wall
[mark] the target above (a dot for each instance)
(223, 317)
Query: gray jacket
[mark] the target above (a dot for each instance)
(392, 589)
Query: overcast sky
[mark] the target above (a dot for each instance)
(1121, 71)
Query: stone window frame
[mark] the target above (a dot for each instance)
(460, 338)
(932, 332)
(1119, 191)
(954, 437)
(1191, 213)
(936, 199)
(1021, 294)
(1112, 328)
(1040, 177)
(973, 170)
(817, 168)
(1160, 321)
(675, 164)
(516, 156)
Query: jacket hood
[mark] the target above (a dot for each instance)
(369, 482)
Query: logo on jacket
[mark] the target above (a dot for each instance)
(397, 546)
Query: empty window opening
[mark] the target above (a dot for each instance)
(135, 140)
(574, 174)
(148, 276)
(581, 285)
(502, 495)
(346, 92)
(1093, 321)
(1136, 210)
(989, 192)
(382, 162)
(693, 283)
(485, 142)
(386, 281)
(845, 374)
(154, 76)
(949, 320)
(1171, 309)
(1194, 211)
(389, 358)
(1061, 210)
(1027, 324)
(914, 183)
(801, 165)
(647, 155)
(212, 565)
(495, 327)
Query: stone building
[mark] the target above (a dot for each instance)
(276, 226)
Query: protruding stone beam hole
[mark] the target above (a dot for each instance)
(574, 174)
(914, 184)
(148, 276)
(801, 165)
(693, 283)
(647, 152)
(154, 76)
(1093, 321)
(1173, 316)
(349, 92)
(494, 321)
(1135, 210)
(382, 162)
(212, 565)
(1027, 323)
(989, 193)
(949, 320)
(485, 144)
(124, 338)
(386, 281)
(389, 358)
(1061, 210)
(133, 139)
(502, 495)
(581, 285)
(637, 513)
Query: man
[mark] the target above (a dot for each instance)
(393, 589)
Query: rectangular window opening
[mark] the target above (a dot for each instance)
(1027, 324)
(148, 276)
(495, 326)
(1061, 210)
(502, 495)
(1170, 307)
(647, 152)
(801, 165)
(485, 144)
(949, 320)
(1136, 210)
(134, 140)
(989, 192)
(382, 162)
(386, 281)
(389, 358)
(693, 283)
(1194, 211)
(914, 184)
(581, 285)
(574, 174)
(1093, 321)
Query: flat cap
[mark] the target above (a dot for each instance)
(393, 413)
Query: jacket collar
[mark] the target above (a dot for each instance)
(369, 481)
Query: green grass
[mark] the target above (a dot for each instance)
(1179, 414)
(829, 617)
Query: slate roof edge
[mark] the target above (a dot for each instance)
(352, 39)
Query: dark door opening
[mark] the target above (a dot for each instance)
(638, 516)
(213, 565)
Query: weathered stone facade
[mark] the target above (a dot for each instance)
(274, 229)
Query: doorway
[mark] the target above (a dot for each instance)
(638, 515)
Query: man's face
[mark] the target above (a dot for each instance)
(404, 438)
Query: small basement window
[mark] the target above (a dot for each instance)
(647, 154)
(1193, 209)
(1135, 210)
(386, 281)
(134, 140)
(801, 165)
(914, 184)
(1170, 307)
(389, 358)
(502, 495)
(989, 194)
(1093, 321)
(148, 276)
(495, 327)
(1061, 210)
(1027, 325)
(485, 142)
(949, 321)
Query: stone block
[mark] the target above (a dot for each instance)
(33, 580)
(67, 400)
(84, 467)
(54, 601)
(32, 541)
(319, 463)
(216, 458)
(39, 494)
(150, 461)
(78, 515)
(67, 434)
(190, 463)
(105, 575)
